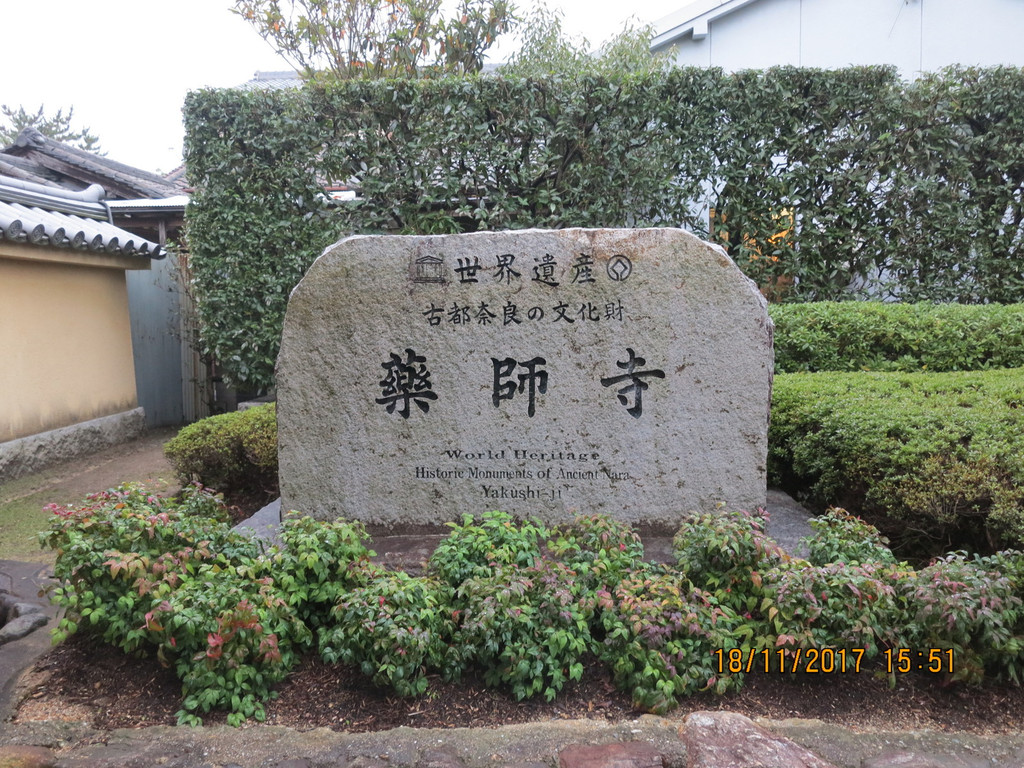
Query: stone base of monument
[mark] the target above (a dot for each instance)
(408, 548)
(410, 551)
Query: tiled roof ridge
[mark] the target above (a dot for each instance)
(176, 176)
(12, 168)
(280, 74)
(43, 215)
(272, 81)
(145, 183)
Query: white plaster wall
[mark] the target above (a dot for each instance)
(913, 35)
(972, 32)
(692, 53)
(841, 33)
(761, 34)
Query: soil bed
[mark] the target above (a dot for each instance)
(85, 680)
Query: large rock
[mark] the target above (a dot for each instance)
(542, 373)
(20, 756)
(18, 618)
(730, 740)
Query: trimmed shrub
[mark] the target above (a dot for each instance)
(942, 454)
(872, 336)
(825, 183)
(840, 537)
(235, 453)
(727, 553)
(661, 636)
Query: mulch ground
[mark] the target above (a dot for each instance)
(84, 679)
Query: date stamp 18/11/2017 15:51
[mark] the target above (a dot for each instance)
(816, 661)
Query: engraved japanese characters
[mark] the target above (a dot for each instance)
(545, 373)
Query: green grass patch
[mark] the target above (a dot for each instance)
(21, 520)
(22, 500)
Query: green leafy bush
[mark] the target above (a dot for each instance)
(1009, 563)
(600, 549)
(232, 618)
(958, 604)
(660, 639)
(120, 550)
(396, 629)
(232, 452)
(839, 606)
(146, 574)
(937, 458)
(321, 561)
(840, 537)
(477, 549)
(727, 553)
(230, 635)
(526, 626)
(872, 336)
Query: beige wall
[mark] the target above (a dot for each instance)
(65, 339)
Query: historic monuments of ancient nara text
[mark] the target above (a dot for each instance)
(544, 373)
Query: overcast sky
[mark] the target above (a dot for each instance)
(126, 65)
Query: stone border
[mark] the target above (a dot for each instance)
(699, 740)
(36, 452)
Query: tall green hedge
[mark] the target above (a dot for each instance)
(825, 184)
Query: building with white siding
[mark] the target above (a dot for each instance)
(913, 35)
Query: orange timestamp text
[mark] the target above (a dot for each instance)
(937, 661)
(812, 661)
(826, 661)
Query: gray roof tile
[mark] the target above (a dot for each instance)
(37, 215)
(272, 81)
(72, 167)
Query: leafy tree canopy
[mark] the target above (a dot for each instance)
(545, 49)
(56, 126)
(379, 38)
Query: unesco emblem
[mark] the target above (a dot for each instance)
(619, 268)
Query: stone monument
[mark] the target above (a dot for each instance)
(543, 373)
